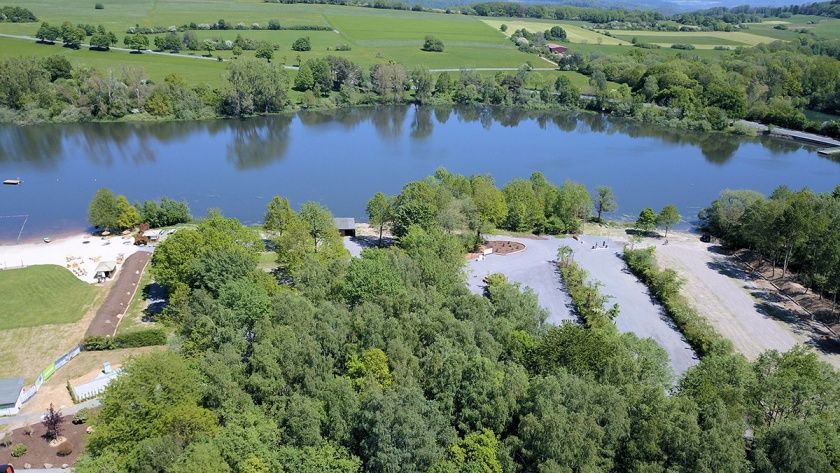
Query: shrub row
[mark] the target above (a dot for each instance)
(140, 338)
(586, 295)
(665, 286)
(221, 25)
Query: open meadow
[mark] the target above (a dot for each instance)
(45, 312)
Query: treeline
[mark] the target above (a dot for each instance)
(767, 83)
(72, 35)
(107, 211)
(755, 14)
(470, 206)
(591, 14)
(16, 15)
(387, 363)
(272, 25)
(791, 230)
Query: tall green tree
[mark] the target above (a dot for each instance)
(668, 217)
(104, 210)
(605, 201)
(380, 210)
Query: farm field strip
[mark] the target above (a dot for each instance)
(574, 33)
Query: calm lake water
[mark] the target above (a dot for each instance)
(341, 158)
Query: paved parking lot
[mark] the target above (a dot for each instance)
(535, 268)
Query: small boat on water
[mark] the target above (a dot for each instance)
(12, 182)
(47, 239)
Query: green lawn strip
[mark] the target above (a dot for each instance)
(43, 294)
(132, 319)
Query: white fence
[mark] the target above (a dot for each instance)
(89, 390)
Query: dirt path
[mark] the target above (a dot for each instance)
(108, 316)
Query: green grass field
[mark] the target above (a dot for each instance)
(574, 33)
(41, 295)
(375, 36)
(700, 39)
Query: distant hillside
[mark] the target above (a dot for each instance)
(664, 6)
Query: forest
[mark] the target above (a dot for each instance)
(387, 363)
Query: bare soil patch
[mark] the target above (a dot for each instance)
(38, 449)
(505, 247)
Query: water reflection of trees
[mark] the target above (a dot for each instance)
(256, 143)
(422, 123)
(39, 147)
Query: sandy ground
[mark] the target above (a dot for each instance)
(535, 268)
(83, 250)
(746, 310)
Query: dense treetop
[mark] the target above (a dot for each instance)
(387, 363)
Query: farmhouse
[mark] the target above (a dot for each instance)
(346, 226)
(556, 48)
(10, 389)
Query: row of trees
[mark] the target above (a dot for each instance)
(797, 230)
(72, 35)
(387, 363)
(472, 205)
(768, 83)
(107, 211)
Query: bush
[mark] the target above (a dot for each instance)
(585, 295)
(81, 417)
(302, 44)
(665, 286)
(6, 441)
(432, 44)
(342, 47)
(682, 46)
(19, 450)
(99, 6)
(64, 449)
(140, 338)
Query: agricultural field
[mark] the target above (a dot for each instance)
(700, 39)
(575, 33)
(375, 36)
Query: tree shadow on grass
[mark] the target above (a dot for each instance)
(157, 297)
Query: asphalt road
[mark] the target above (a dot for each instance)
(535, 268)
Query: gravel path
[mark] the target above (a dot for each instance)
(535, 268)
(740, 307)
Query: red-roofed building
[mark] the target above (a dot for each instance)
(556, 48)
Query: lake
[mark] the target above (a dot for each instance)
(341, 158)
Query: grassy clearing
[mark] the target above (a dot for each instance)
(268, 261)
(575, 34)
(41, 295)
(132, 321)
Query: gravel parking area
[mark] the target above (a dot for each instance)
(535, 268)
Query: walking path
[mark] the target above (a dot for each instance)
(792, 134)
(109, 313)
(27, 419)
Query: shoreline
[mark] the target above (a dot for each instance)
(80, 253)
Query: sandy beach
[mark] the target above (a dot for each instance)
(80, 253)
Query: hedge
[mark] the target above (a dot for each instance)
(665, 286)
(139, 338)
(586, 297)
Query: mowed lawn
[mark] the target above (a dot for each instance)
(41, 295)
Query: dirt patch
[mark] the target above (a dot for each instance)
(505, 247)
(116, 303)
(38, 449)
